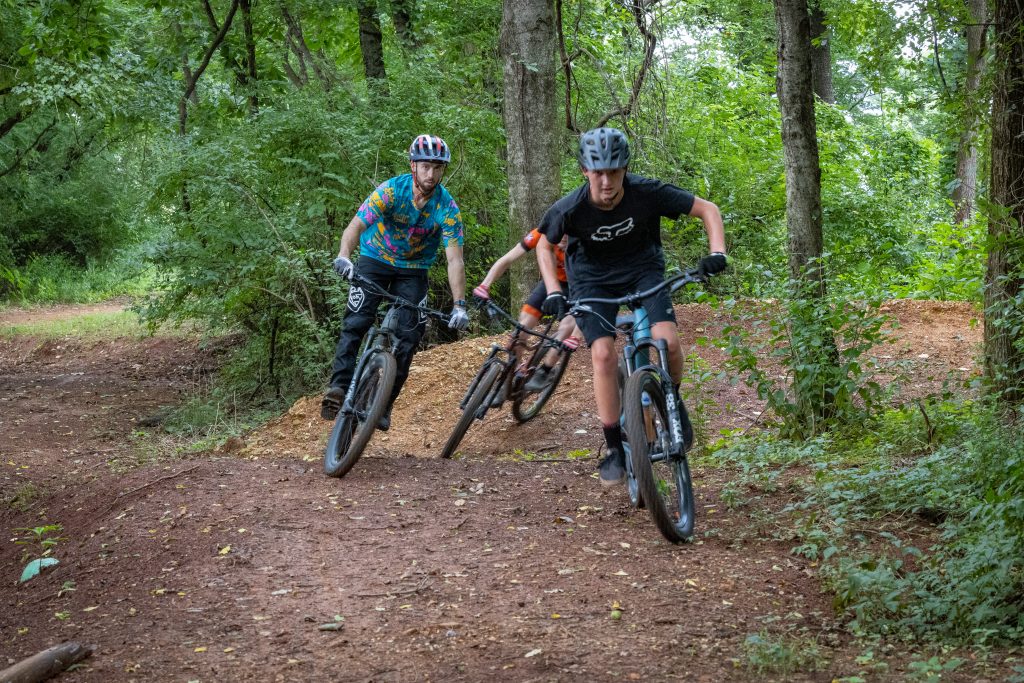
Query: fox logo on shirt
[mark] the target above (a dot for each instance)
(607, 233)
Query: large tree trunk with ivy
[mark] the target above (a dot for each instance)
(967, 151)
(528, 46)
(821, 54)
(1004, 291)
(813, 345)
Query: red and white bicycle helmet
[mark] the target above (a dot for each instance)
(429, 148)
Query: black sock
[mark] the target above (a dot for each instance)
(613, 436)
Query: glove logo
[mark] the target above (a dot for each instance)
(606, 233)
(356, 296)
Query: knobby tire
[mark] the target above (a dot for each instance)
(482, 391)
(352, 430)
(526, 406)
(665, 486)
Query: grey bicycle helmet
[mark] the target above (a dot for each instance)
(429, 148)
(602, 149)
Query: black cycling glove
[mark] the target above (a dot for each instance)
(554, 304)
(714, 262)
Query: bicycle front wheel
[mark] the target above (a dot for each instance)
(526, 406)
(663, 478)
(473, 403)
(354, 427)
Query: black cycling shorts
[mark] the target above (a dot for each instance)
(601, 321)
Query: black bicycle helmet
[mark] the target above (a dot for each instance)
(603, 149)
(429, 148)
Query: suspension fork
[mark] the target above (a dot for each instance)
(675, 422)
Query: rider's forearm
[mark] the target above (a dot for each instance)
(350, 237)
(548, 266)
(457, 277)
(497, 270)
(713, 225)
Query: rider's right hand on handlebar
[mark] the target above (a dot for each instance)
(554, 304)
(713, 263)
(482, 292)
(344, 267)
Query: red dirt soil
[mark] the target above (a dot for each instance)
(503, 564)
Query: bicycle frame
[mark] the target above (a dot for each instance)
(381, 337)
(505, 356)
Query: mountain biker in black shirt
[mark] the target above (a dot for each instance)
(613, 222)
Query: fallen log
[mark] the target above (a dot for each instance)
(46, 664)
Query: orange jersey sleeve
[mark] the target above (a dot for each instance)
(529, 242)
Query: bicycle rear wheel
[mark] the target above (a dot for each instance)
(353, 428)
(526, 406)
(473, 403)
(664, 480)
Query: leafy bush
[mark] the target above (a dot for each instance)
(953, 467)
(824, 385)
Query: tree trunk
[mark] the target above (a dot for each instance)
(297, 43)
(528, 46)
(371, 43)
(402, 17)
(967, 151)
(45, 665)
(799, 140)
(814, 347)
(250, 57)
(1004, 308)
(191, 79)
(821, 54)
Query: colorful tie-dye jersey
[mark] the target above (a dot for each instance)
(402, 235)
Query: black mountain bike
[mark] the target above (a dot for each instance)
(657, 428)
(370, 388)
(500, 369)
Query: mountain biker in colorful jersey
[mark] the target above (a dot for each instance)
(530, 313)
(613, 222)
(398, 230)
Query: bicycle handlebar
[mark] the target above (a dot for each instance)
(674, 282)
(494, 309)
(399, 301)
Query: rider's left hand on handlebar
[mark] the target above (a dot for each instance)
(458, 319)
(713, 263)
(554, 304)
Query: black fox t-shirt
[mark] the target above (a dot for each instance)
(612, 246)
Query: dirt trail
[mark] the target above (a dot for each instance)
(225, 566)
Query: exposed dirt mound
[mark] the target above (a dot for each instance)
(932, 340)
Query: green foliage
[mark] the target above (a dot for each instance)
(38, 541)
(950, 467)
(822, 344)
(88, 326)
(54, 279)
(766, 653)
